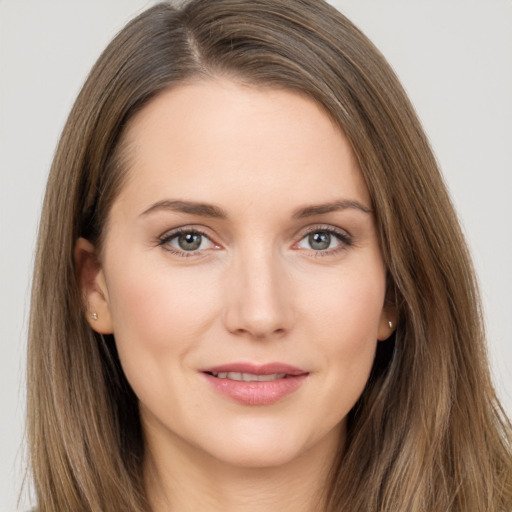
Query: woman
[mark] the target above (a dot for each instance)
(261, 298)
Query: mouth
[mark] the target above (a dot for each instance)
(247, 377)
(250, 384)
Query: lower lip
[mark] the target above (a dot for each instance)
(256, 393)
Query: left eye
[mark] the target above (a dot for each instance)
(189, 241)
(320, 240)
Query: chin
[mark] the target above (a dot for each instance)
(268, 447)
(261, 458)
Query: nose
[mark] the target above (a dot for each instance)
(258, 296)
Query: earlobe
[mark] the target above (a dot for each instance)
(91, 280)
(387, 324)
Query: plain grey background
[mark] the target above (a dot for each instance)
(453, 56)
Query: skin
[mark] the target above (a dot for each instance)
(255, 291)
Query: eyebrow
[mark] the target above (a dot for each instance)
(190, 207)
(209, 210)
(334, 206)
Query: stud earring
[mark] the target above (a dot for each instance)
(390, 323)
(94, 315)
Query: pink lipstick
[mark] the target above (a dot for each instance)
(251, 384)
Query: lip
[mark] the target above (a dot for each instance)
(256, 392)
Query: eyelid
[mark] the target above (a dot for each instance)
(329, 228)
(344, 237)
(164, 239)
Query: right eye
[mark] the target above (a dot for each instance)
(186, 241)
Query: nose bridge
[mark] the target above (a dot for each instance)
(259, 302)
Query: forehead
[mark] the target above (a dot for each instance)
(216, 141)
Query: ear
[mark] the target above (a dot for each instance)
(387, 322)
(93, 286)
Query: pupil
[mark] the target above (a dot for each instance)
(189, 241)
(319, 241)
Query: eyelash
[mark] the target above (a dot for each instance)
(164, 240)
(342, 236)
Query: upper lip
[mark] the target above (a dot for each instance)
(255, 369)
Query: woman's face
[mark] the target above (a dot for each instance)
(241, 274)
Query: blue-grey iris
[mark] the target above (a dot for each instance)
(190, 241)
(319, 240)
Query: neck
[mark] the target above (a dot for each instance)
(185, 479)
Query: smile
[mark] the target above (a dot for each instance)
(248, 377)
(250, 384)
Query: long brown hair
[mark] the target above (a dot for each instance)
(428, 432)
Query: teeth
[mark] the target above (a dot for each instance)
(249, 377)
(274, 376)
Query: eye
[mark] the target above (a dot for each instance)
(187, 241)
(324, 240)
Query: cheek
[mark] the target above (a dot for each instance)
(155, 308)
(350, 302)
(346, 322)
(160, 316)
